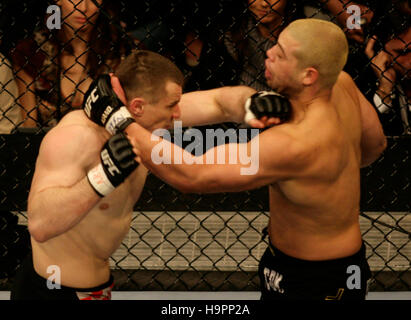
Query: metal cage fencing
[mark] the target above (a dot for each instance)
(188, 241)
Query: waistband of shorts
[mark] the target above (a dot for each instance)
(40, 280)
(352, 259)
(103, 286)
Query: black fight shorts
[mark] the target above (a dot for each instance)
(28, 285)
(286, 278)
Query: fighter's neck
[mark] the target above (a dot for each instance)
(303, 102)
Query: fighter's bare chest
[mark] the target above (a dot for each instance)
(121, 201)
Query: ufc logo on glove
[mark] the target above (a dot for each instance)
(92, 98)
(111, 167)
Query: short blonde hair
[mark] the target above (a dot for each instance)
(323, 46)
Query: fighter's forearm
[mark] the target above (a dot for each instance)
(224, 104)
(56, 210)
(232, 101)
(165, 159)
(205, 173)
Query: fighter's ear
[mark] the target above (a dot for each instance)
(310, 76)
(136, 106)
(118, 89)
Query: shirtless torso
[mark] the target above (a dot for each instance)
(67, 153)
(314, 213)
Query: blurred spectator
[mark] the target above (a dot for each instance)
(392, 95)
(10, 114)
(337, 11)
(54, 68)
(392, 18)
(17, 19)
(201, 55)
(253, 34)
(149, 23)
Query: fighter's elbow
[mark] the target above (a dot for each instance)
(185, 190)
(373, 154)
(184, 187)
(189, 186)
(37, 226)
(383, 143)
(197, 184)
(39, 238)
(380, 146)
(37, 231)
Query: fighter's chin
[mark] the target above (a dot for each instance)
(281, 90)
(273, 86)
(165, 126)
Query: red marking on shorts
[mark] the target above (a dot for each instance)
(104, 294)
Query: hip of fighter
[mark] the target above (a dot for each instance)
(70, 268)
(316, 245)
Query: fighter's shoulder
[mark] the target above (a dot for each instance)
(347, 83)
(69, 138)
(70, 134)
(76, 125)
(345, 80)
(287, 141)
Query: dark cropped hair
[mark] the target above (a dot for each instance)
(145, 73)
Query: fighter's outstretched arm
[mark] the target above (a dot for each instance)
(224, 104)
(239, 104)
(105, 104)
(244, 166)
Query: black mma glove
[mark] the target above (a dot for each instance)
(103, 107)
(267, 103)
(117, 163)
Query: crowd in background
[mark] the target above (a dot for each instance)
(44, 73)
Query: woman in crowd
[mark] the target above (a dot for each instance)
(54, 68)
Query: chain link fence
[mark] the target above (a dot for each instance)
(193, 241)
